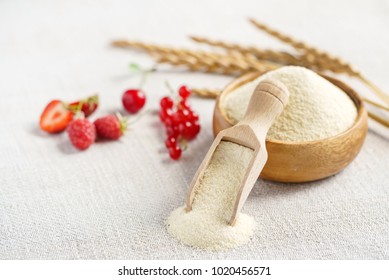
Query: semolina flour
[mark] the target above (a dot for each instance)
(317, 109)
(206, 226)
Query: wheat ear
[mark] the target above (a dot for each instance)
(230, 63)
(322, 60)
(265, 54)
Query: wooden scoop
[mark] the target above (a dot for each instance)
(266, 104)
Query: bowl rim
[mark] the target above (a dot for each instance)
(250, 76)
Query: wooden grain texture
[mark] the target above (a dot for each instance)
(266, 104)
(304, 161)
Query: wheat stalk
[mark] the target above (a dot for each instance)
(241, 59)
(322, 60)
(319, 57)
(265, 54)
(378, 119)
(375, 89)
(375, 104)
(284, 58)
(214, 63)
(205, 92)
(232, 62)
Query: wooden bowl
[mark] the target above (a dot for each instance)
(304, 161)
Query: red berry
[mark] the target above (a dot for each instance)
(180, 116)
(110, 127)
(175, 152)
(180, 121)
(82, 133)
(193, 117)
(183, 104)
(195, 129)
(185, 130)
(55, 117)
(189, 130)
(165, 116)
(168, 121)
(185, 114)
(184, 92)
(177, 118)
(172, 131)
(166, 103)
(133, 100)
(170, 142)
(88, 105)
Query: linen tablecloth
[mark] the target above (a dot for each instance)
(111, 201)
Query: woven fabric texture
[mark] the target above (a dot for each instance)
(111, 201)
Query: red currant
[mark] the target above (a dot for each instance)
(175, 152)
(172, 131)
(180, 121)
(184, 105)
(193, 116)
(165, 116)
(166, 103)
(177, 118)
(162, 116)
(185, 114)
(133, 100)
(184, 92)
(170, 142)
(168, 121)
(185, 130)
(195, 129)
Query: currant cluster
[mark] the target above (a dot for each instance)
(181, 122)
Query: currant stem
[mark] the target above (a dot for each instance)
(138, 117)
(170, 88)
(184, 144)
(145, 74)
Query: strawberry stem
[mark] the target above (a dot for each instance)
(79, 114)
(80, 104)
(123, 121)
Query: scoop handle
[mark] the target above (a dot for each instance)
(266, 104)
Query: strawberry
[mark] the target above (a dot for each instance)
(87, 105)
(55, 117)
(110, 127)
(82, 133)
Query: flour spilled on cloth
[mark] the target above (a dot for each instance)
(206, 226)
